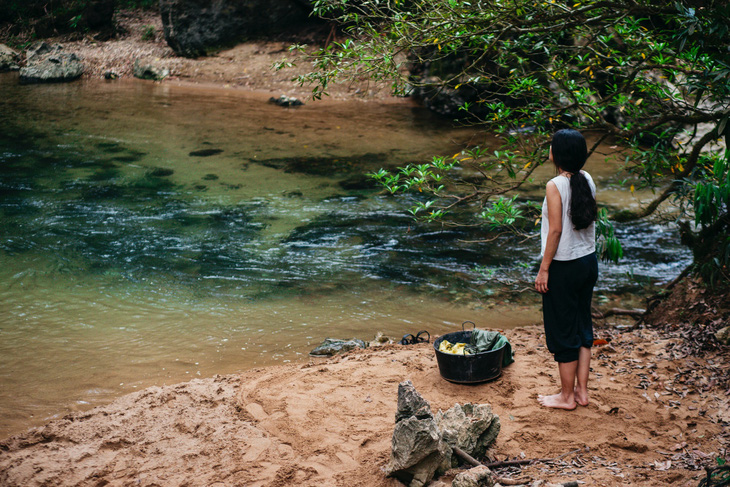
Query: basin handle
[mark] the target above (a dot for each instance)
(472, 324)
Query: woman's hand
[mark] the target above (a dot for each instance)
(541, 281)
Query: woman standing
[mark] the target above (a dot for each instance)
(569, 268)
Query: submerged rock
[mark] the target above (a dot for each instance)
(205, 152)
(50, 64)
(333, 346)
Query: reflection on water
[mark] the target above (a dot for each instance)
(153, 233)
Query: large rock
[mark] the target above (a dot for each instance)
(422, 444)
(471, 427)
(411, 403)
(8, 59)
(417, 448)
(195, 27)
(50, 64)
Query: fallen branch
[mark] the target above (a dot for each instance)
(476, 463)
(636, 313)
(511, 463)
(466, 457)
(507, 481)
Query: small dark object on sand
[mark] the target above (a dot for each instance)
(409, 339)
(286, 101)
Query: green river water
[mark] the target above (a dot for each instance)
(153, 233)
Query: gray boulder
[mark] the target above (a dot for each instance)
(417, 449)
(8, 59)
(150, 68)
(471, 427)
(333, 346)
(422, 444)
(411, 403)
(193, 28)
(50, 64)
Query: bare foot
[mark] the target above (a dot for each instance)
(556, 401)
(581, 399)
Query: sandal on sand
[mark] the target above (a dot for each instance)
(409, 339)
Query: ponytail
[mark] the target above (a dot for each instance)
(569, 154)
(583, 210)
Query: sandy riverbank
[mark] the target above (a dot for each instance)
(654, 417)
(330, 422)
(247, 66)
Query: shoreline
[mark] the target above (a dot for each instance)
(247, 66)
(329, 422)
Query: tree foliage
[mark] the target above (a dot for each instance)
(649, 75)
(43, 18)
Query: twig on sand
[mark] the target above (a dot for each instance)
(636, 313)
(507, 481)
(476, 463)
(507, 463)
(510, 463)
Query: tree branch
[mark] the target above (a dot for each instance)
(625, 216)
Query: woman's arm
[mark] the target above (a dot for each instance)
(555, 217)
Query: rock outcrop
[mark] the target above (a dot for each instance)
(422, 444)
(50, 64)
(8, 59)
(195, 27)
(418, 450)
(150, 68)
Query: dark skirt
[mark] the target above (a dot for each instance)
(566, 307)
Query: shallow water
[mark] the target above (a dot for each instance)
(152, 233)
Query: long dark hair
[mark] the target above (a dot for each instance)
(569, 154)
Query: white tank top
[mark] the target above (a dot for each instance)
(573, 243)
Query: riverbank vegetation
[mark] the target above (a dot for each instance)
(25, 21)
(649, 76)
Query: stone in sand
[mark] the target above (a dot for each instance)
(418, 451)
(471, 427)
(422, 444)
(479, 476)
(333, 346)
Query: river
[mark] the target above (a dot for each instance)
(153, 233)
